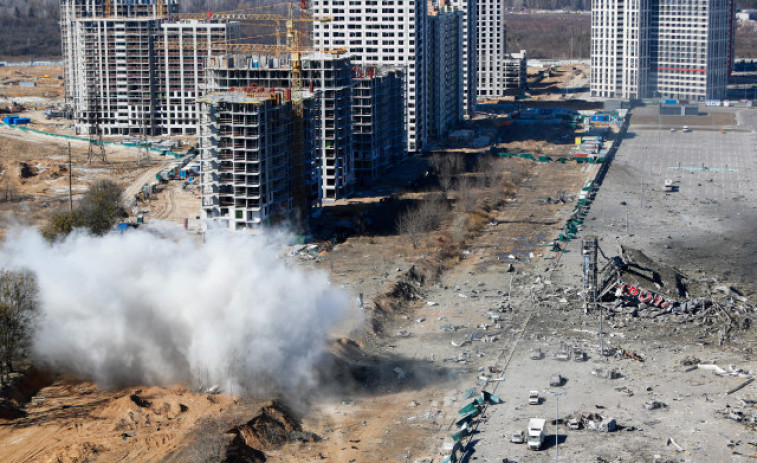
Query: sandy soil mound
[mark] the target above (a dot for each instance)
(272, 427)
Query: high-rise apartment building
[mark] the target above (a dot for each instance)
(445, 84)
(514, 71)
(469, 8)
(128, 70)
(378, 119)
(330, 78)
(382, 32)
(661, 48)
(184, 47)
(492, 40)
(246, 152)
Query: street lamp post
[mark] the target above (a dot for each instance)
(557, 420)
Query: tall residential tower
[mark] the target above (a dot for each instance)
(491, 43)
(382, 32)
(661, 48)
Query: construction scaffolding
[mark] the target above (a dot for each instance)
(246, 177)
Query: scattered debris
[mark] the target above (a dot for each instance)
(654, 405)
(741, 386)
(606, 373)
(140, 401)
(672, 442)
(608, 425)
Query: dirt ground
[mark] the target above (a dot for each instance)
(74, 422)
(34, 173)
(49, 88)
(445, 321)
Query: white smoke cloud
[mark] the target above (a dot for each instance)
(145, 308)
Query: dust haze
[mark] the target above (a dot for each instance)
(160, 309)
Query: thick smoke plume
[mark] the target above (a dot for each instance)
(146, 308)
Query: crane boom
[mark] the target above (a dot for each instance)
(232, 16)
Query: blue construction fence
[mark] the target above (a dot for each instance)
(15, 125)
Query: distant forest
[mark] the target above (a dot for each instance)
(29, 28)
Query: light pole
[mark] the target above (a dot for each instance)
(557, 418)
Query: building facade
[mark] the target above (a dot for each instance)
(129, 70)
(445, 86)
(661, 48)
(246, 153)
(492, 46)
(469, 9)
(382, 32)
(378, 119)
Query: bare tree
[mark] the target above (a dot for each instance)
(18, 312)
(489, 170)
(469, 196)
(8, 190)
(423, 218)
(409, 223)
(446, 166)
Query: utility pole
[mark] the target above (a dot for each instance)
(601, 332)
(70, 181)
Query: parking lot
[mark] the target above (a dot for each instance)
(705, 229)
(709, 217)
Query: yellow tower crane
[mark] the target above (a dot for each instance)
(295, 51)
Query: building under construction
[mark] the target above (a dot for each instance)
(378, 113)
(247, 152)
(514, 69)
(123, 73)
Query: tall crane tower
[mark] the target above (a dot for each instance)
(295, 50)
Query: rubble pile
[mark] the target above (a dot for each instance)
(272, 427)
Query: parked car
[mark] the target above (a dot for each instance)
(518, 437)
